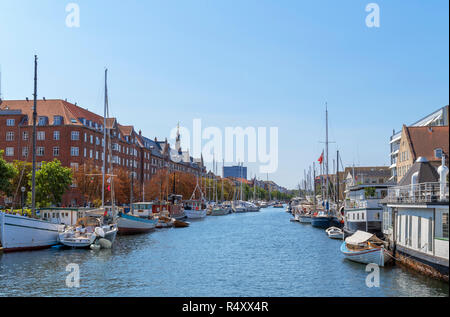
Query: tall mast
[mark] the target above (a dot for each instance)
(337, 180)
(33, 174)
(104, 140)
(326, 147)
(314, 184)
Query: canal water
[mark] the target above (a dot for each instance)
(250, 254)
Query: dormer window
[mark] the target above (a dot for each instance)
(10, 122)
(438, 153)
(57, 120)
(42, 121)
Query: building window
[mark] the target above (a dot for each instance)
(97, 140)
(56, 135)
(75, 136)
(57, 120)
(85, 137)
(74, 151)
(9, 151)
(41, 135)
(85, 152)
(42, 121)
(9, 136)
(92, 139)
(25, 135)
(56, 151)
(438, 153)
(40, 151)
(445, 225)
(90, 153)
(25, 151)
(10, 122)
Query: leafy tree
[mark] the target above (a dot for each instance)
(52, 181)
(21, 179)
(7, 173)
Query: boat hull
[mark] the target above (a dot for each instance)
(128, 224)
(19, 233)
(219, 212)
(378, 256)
(195, 214)
(304, 219)
(320, 222)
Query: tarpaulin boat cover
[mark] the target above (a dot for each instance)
(359, 237)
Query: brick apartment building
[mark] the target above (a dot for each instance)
(74, 136)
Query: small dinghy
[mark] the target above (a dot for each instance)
(335, 233)
(365, 247)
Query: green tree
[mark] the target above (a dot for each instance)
(7, 173)
(52, 181)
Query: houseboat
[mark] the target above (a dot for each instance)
(363, 209)
(415, 219)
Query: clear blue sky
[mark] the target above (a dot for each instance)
(240, 63)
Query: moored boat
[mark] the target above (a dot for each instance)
(304, 218)
(21, 233)
(365, 247)
(335, 233)
(321, 220)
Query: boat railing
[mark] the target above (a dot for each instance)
(431, 192)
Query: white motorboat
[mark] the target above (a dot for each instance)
(194, 209)
(21, 233)
(365, 247)
(335, 233)
(304, 218)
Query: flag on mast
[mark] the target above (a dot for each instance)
(320, 158)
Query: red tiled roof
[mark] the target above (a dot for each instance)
(424, 140)
(46, 108)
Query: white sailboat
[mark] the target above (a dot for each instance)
(20, 233)
(195, 208)
(106, 215)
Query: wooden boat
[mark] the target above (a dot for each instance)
(365, 247)
(278, 205)
(335, 233)
(180, 224)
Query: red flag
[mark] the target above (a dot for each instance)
(321, 158)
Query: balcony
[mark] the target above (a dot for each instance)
(418, 194)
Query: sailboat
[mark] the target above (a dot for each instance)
(21, 233)
(322, 219)
(106, 215)
(195, 208)
(219, 209)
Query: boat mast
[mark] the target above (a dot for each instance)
(337, 181)
(314, 184)
(104, 143)
(223, 164)
(326, 147)
(33, 174)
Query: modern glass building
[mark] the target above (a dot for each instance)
(235, 171)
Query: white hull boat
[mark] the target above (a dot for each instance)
(364, 247)
(304, 219)
(335, 233)
(219, 211)
(20, 233)
(195, 214)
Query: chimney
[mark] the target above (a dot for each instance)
(140, 133)
(27, 99)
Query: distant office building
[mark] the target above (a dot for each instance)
(235, 171)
